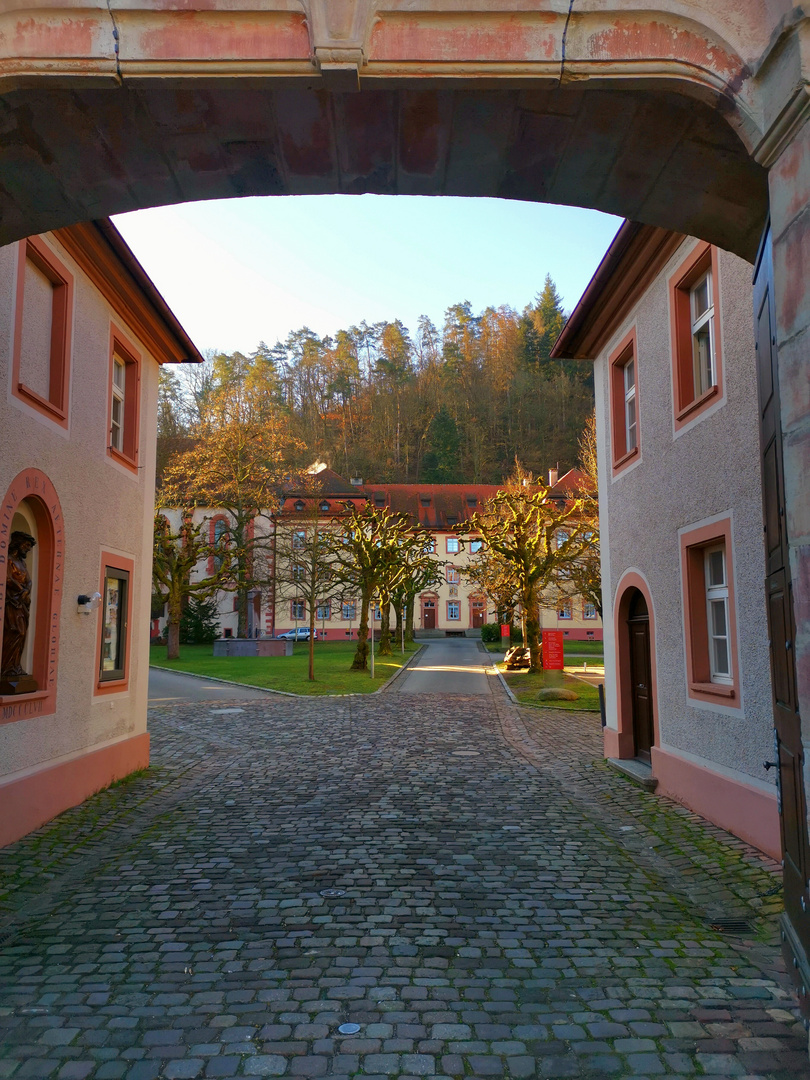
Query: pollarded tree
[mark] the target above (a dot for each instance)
(303, 560)
(175, 556)
(365, 553)
(585, 576)
(420, 571)
(236, 467)
(537, 537)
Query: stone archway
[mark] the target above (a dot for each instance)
(673, 115)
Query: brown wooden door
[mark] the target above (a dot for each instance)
(789, 754)
(477, 614)
(429, 614)
(638, 627)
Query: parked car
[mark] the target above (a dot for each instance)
(299, 634)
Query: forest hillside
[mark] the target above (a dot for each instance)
(396, 405)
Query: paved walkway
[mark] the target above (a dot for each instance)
(448, 666)
(171, 687)
(464, 881)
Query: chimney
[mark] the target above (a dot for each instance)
(553, 476)
(356, 481)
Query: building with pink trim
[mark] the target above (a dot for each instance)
(666, 321)
(83, 333)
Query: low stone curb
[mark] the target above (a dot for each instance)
(287, 693)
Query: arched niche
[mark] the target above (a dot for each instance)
(32, 505)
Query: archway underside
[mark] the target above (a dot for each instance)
(653, 155)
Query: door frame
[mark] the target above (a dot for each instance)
(630, 623)
(625, 743)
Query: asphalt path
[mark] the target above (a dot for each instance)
(170, 687)
(447, 666)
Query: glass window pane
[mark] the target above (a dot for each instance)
(629, 376)
(718, 609)
(700, 298)
(118, 374)
(703, 357)
(720, 651)
(112, 627)
(717, 568)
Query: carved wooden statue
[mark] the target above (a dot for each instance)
(16, 617)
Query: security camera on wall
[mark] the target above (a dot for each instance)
(86, 603)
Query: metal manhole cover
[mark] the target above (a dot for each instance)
(332, 892)
(349, 1029)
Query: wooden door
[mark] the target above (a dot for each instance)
(429, 614)
(638, 627)
(477, 614)
(788, 752)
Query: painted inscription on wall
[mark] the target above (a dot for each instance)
(34, 485)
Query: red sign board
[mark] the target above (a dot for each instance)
(506, 629)
(553, 650)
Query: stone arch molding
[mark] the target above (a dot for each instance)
(653, 113)
(710, 52)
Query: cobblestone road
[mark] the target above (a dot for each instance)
(464, 881)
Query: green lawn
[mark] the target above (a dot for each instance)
(332, 663)
(525, 687)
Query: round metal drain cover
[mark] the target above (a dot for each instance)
(349, 1029)
(333, 892)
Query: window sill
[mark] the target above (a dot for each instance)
(8, 701)
(123, 459)
(40, 403)
(698, 404)
(625, 459)
(713, 689)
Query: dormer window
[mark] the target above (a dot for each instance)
(299, 504)
(324, 506)
(424, 501)
(472, 501)
(379, 498)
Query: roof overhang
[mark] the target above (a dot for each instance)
(636, 255)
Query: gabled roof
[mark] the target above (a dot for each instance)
(572, 483)
(433, 506)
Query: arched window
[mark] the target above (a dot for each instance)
(31, 507)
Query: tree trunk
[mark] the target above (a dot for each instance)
(409, 620)
(532, 628)
(174, 611)
(360, 662)
(312, 611)
(385, 628)
(173, 640)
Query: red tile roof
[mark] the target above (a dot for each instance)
(433, 506)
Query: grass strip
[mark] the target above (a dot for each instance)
(333, 674)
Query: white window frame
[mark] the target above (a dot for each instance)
(299, 572)
(452, 575)
(451, 604)
(703, 380)
(118, 404)
(630, 426)
(348, 610)
(476, 546)
(453, 545)
(717, 598)
(324, 610)
(296, 607)
(299, 539)
(565, 610)
(588, 610)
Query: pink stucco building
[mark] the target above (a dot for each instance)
(83, 333)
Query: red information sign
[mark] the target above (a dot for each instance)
(505, 629)
(553, 650)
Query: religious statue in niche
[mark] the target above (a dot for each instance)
(16, 617)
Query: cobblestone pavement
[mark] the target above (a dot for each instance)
(465, 881)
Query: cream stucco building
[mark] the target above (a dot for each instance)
(83, 332)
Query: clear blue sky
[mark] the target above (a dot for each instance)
(239, 271)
